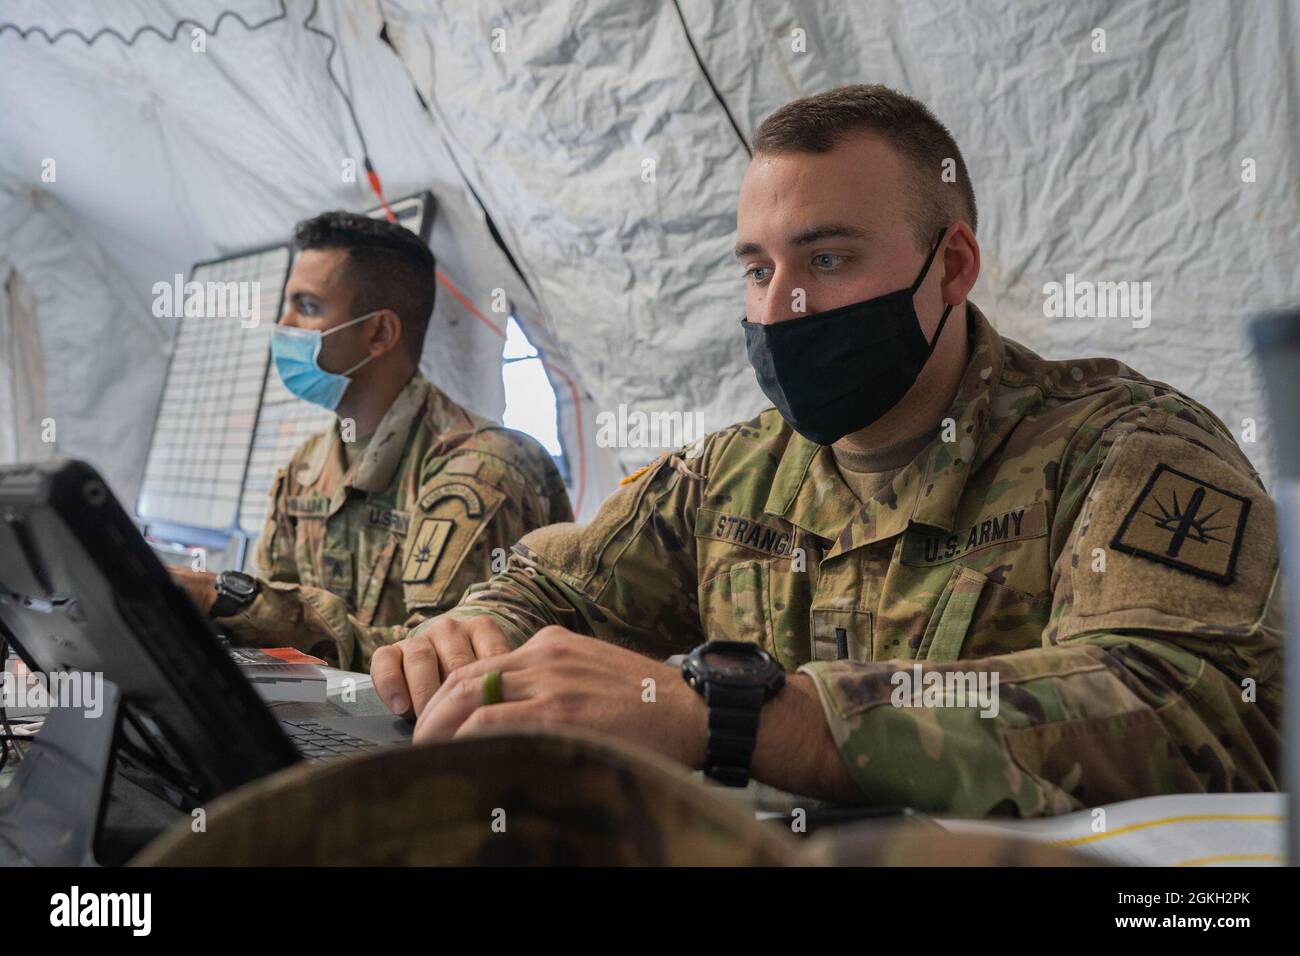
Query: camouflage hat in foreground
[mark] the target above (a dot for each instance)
(541, 798)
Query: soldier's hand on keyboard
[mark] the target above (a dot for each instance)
(408, 673)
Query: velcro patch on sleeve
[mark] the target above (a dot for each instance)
(425, 549)
(1172, 537)
(453, 516)
(1186, 523)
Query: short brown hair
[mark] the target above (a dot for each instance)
(817, 124)
(389, 266)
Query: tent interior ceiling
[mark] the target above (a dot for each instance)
(542, 114)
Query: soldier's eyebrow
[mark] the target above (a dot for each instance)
(806, 237)
(829, 230)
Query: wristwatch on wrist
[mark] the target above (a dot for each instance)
(235, 591)
(735, 678)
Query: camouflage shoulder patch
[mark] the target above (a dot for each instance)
(1171, 538)
(425, 549)
(446, 532)
(1186, 523)
(463, 464)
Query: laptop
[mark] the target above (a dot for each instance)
(81, 591)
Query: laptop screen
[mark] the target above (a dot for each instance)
(81, 592)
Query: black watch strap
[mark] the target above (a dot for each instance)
(227, 602)
(734, 713)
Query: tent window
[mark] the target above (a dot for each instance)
(530, 399)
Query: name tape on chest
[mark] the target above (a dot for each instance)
(744, 531)
(307, 506)
(1185, 523)
(1018, 524)
(388, 519)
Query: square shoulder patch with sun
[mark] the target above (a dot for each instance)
(1186, 523)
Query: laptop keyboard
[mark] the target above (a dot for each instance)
(317, 742)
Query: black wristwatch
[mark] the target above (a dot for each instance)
(735, 678)
(235, 591)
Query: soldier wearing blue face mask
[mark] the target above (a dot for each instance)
(295, 352)
(376, 527)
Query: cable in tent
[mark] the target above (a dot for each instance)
(372, 175)
(699, 61)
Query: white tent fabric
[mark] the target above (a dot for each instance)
(23, 420)
(1122, 165)
(102, 357)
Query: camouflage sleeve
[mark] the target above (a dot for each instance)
(1159, 671)
(628, 577)
(470, 507)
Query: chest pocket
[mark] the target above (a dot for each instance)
(309, 540)
(734, 604)
(336, 573)
(952, 616)
(977, 617)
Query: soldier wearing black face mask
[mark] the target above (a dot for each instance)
(839, 371)
(942, 572)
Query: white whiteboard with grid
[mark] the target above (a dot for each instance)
(198, 456)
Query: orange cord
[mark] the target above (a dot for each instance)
(469, 306)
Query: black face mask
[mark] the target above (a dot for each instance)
(836, 372)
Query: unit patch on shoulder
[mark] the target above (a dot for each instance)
(425, 548)
(1185, 523)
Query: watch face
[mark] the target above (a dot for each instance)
(734, 666)
(238, 584)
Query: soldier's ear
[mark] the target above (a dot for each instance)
(387, 333)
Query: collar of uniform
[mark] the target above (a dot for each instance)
(328, 449)
(808, 490)
(375, 470)
(948, 465)
(383, 455)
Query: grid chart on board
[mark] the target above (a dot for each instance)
(198, 457)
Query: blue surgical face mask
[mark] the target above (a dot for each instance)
(295, 352)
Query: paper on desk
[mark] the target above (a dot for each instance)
(1194, 829)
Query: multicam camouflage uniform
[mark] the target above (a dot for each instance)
(1094, 539)
(355, 556)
